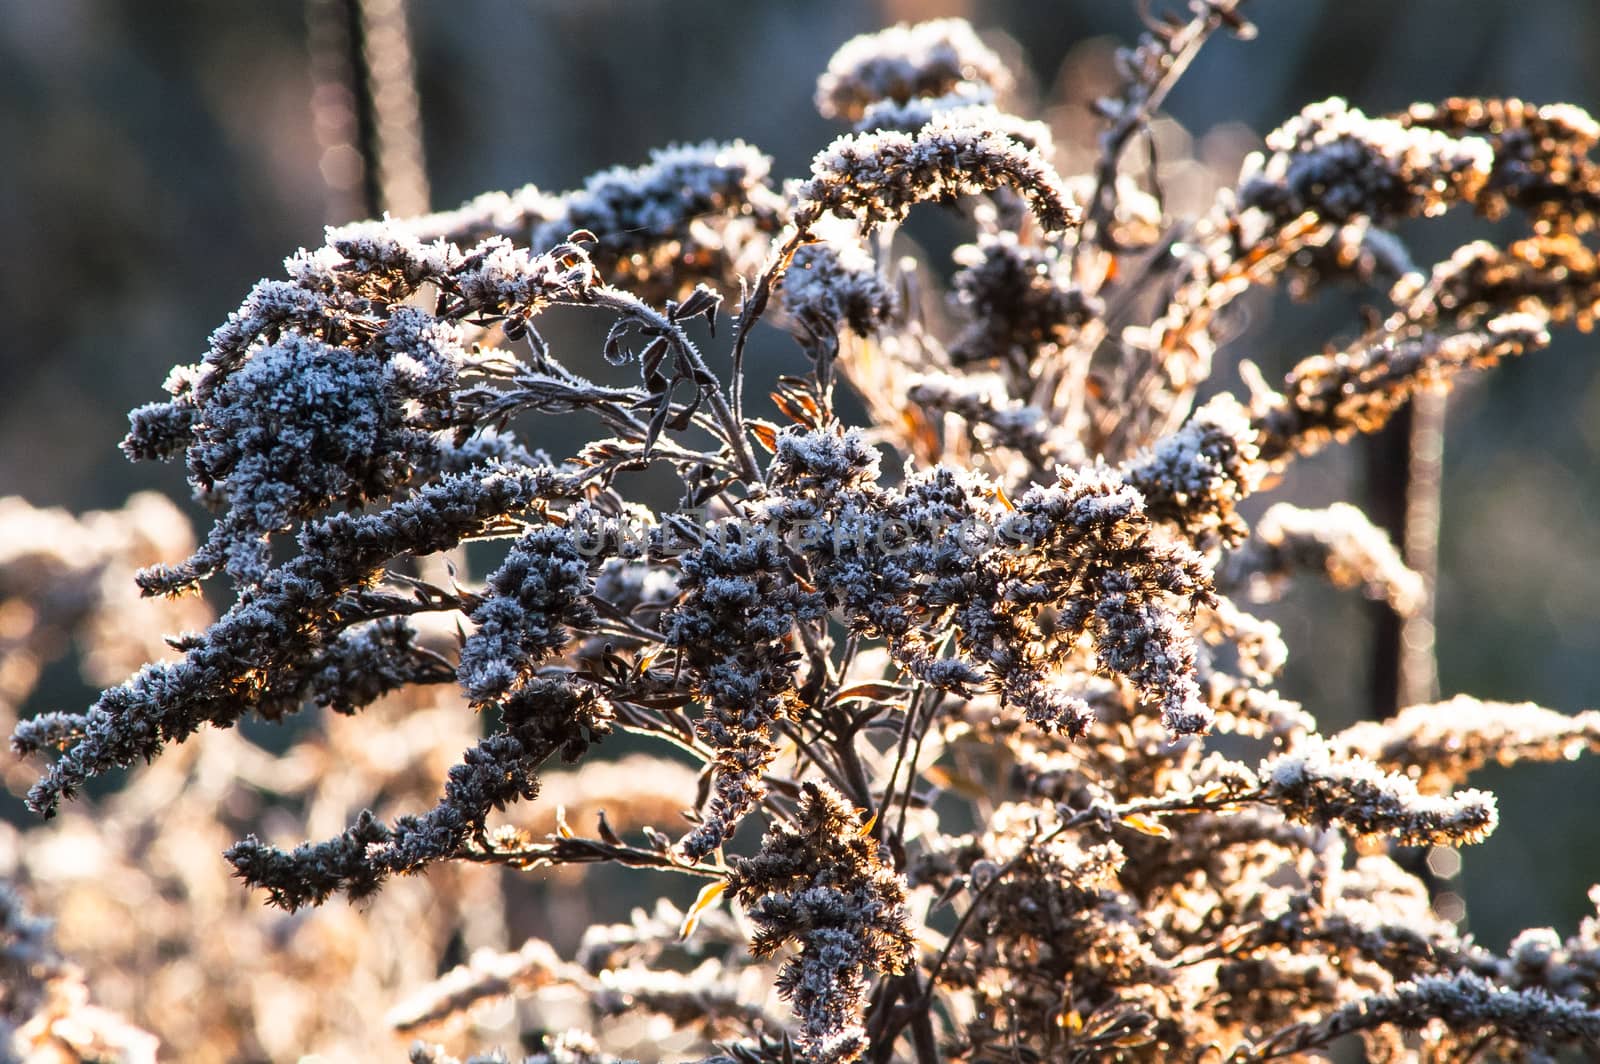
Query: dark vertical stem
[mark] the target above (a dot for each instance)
(1387, 457)
(1404, 466)
(923, 1040)
(334, 81)
(365, 118)
(364, 108)
(396, 113)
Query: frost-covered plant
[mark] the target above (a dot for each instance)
(944, 680)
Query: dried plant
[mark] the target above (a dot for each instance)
(931, 696)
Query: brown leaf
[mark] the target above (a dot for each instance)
(708, 897)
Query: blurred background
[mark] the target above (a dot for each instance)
(157, 158)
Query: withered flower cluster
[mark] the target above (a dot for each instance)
(930, 696)
(45, 1012)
